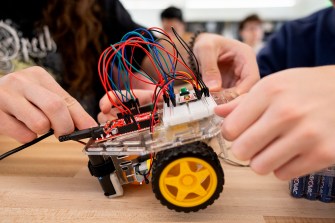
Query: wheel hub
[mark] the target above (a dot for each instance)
(188, 180)
(183, 183)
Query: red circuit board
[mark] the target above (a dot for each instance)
(112, 128)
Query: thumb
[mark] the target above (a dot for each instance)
(225, 109)
(212, 78)
(207, 57)
(81, 119)
(210, 71)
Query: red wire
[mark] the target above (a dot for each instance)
(138, 43)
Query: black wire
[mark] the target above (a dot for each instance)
(179, 55)
(176, 77)
(191, 54)
(155, 56)
(11, 152)
(81, 142)
(186, 47)
(154, 104)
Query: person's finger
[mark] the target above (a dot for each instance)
(80, 117)
(254, 139)
(54, 107)
(13, 128)
(299, 166)
(313, 157)
(272, 124)
(280, 151)
(207, 55)
(247, 71)
(225, 109)
(29, 114)
(144, 97)
(244, 115)
(103, 118)
(210, 70)
(105, 104)
(247, 80)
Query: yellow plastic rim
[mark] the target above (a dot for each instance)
(188, 182)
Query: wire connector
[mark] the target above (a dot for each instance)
(95, 132)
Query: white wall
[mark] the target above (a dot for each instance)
(147, 12)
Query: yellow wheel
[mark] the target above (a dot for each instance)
(188, 182)
(187, 178)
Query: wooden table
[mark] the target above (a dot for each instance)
(49, 182)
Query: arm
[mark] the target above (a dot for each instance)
(283, 125)
(31, 102)
(272, 58)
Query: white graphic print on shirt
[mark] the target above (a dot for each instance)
(15, 46)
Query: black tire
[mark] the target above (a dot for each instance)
(198, 150)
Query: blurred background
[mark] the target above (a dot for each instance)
(223, 16)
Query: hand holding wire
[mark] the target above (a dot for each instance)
(32, 102)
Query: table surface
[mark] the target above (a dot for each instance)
(49, 182)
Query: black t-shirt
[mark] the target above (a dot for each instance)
(23, 17)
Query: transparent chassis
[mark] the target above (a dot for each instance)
(193, 123)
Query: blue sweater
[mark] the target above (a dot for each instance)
(305, 42)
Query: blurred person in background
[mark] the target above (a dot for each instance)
(251, 32)
(173, 17)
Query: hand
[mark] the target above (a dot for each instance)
(31, 102)
(226, 63)
(286, 124)
(107, 113)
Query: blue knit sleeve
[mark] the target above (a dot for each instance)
(272, 57)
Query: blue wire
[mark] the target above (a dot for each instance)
(157, 55)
